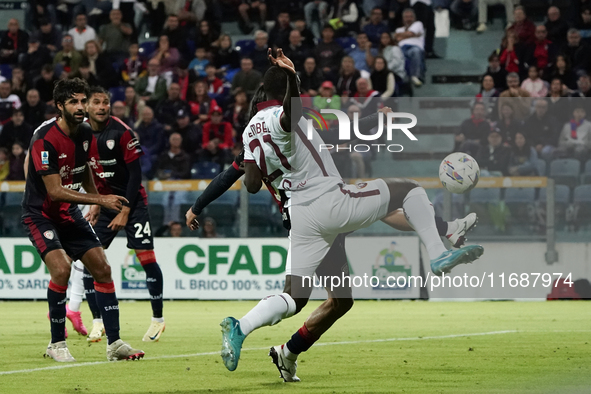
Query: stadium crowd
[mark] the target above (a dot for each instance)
(187, 93)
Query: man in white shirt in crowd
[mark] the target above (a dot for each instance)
(81, 33)
(411, 39)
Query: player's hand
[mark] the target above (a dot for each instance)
(281, 61)
(93, 214)
(113, 202)
(192, 222)
(385, 110)
(120, 220)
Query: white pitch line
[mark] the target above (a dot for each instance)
(86, 364)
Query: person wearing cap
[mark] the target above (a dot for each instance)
(13, 42)
(192, 138)
(494, 156)
(327, 99)
(217, 138)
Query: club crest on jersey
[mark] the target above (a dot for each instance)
(111, 144)
(85, 146)
(361, 185)
(48, 234)
(45, 157)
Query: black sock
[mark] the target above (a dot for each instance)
(90, 296)
(441, 226)
(109, 307)
(56, 298)
(155, 284)
(301, 341)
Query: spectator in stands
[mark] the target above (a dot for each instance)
(465, 12)
(116, 36)
(307, 35)
(167, 56)
(34, 109)
(16, 131)
(225, 57)
(343, 16)
(556, 26)
(36, 57)
(541, 129)
(488, 96)
(247, 78)
(189, 12)
(296, 51)
(68, 58)
(473, 132)
(523, 157)
(542, 52)
(50, 112)
(557, 101)
(315, 22)
(393, 55)
(507, 125)
(4, 164)
(483, 12)
(376, 27)
(46, 83)
(584, 84)
(206, 36)
(516, 97)
(199, 62)
(174, 163)
(17, 163)
(424, 13)
(101, 65)
(152, 87)
(85, 73)
(177, 34)
(311, 77)
(209, 229)
(494, 156)
(583, 21)
(327, 98)
(19, 83)
(81, 33)
(172, 229)
(49, 36)
(8, 102)
(237, 113)
(328, 53)
(363, 54)
(151, 133)
(561, 70)
(508, 57)
(214, 84)
(279, 34)
(167, 110)
(192, 138)
(134, 66)
(535, 85)
(498, 73)
(395, 13)
(119, 110)
(382, 79)
(366, 99)
(523, 28)
(577, 52)
(259, 55)
(411, 39)
(134, 105)
(575, 138)
(217, 138)
(348, 76)
(245, 9)
(185, 78)
(201, 104)
(13, 43)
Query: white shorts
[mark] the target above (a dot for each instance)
(316, 224)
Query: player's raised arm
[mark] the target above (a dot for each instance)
(289, 111)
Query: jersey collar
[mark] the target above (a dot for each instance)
(267, 104)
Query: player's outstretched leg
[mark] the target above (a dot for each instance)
(407, 194)
(269, 311)
(76, 292)
(98, 328)
(155, 285)
(96, 262)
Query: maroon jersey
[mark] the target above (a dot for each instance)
(117, 147)
(52, 152)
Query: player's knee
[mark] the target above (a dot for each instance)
(340, 306)
(102, 274)
(399, 189)
(60, 275)
(300, 304)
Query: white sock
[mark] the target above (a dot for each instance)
(287, 353)
(158, 319)
(451, 227)
(269, 311)
(76, 286)
(421, 215)
(97, 321)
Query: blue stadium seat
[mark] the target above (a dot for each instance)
(347, 43)
(147, 48)
(562, 195)
(245, 47)
(541, 167)
(520, 202)
(582, 205)
(481, 203)
(205, 170)
(586, 177)
(117, 93)
(565, 171)
(492, 195)
(6, 71)
(224, 209)
(260, 209)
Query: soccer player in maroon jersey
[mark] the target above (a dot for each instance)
(119, 172)
(59, 155)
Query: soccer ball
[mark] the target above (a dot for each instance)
(459, 173)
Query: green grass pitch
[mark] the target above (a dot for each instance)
(387, 346)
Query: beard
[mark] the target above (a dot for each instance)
(72, 121)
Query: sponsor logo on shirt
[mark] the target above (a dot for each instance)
(62, 156)
(132, 144)
(65, 171)
(45, 157)
(108, 162)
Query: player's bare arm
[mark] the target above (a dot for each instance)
(90, 187)
(53, 184)
(287, 66)
(253, 178)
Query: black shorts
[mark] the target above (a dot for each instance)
(75, 238)
(138, 229)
